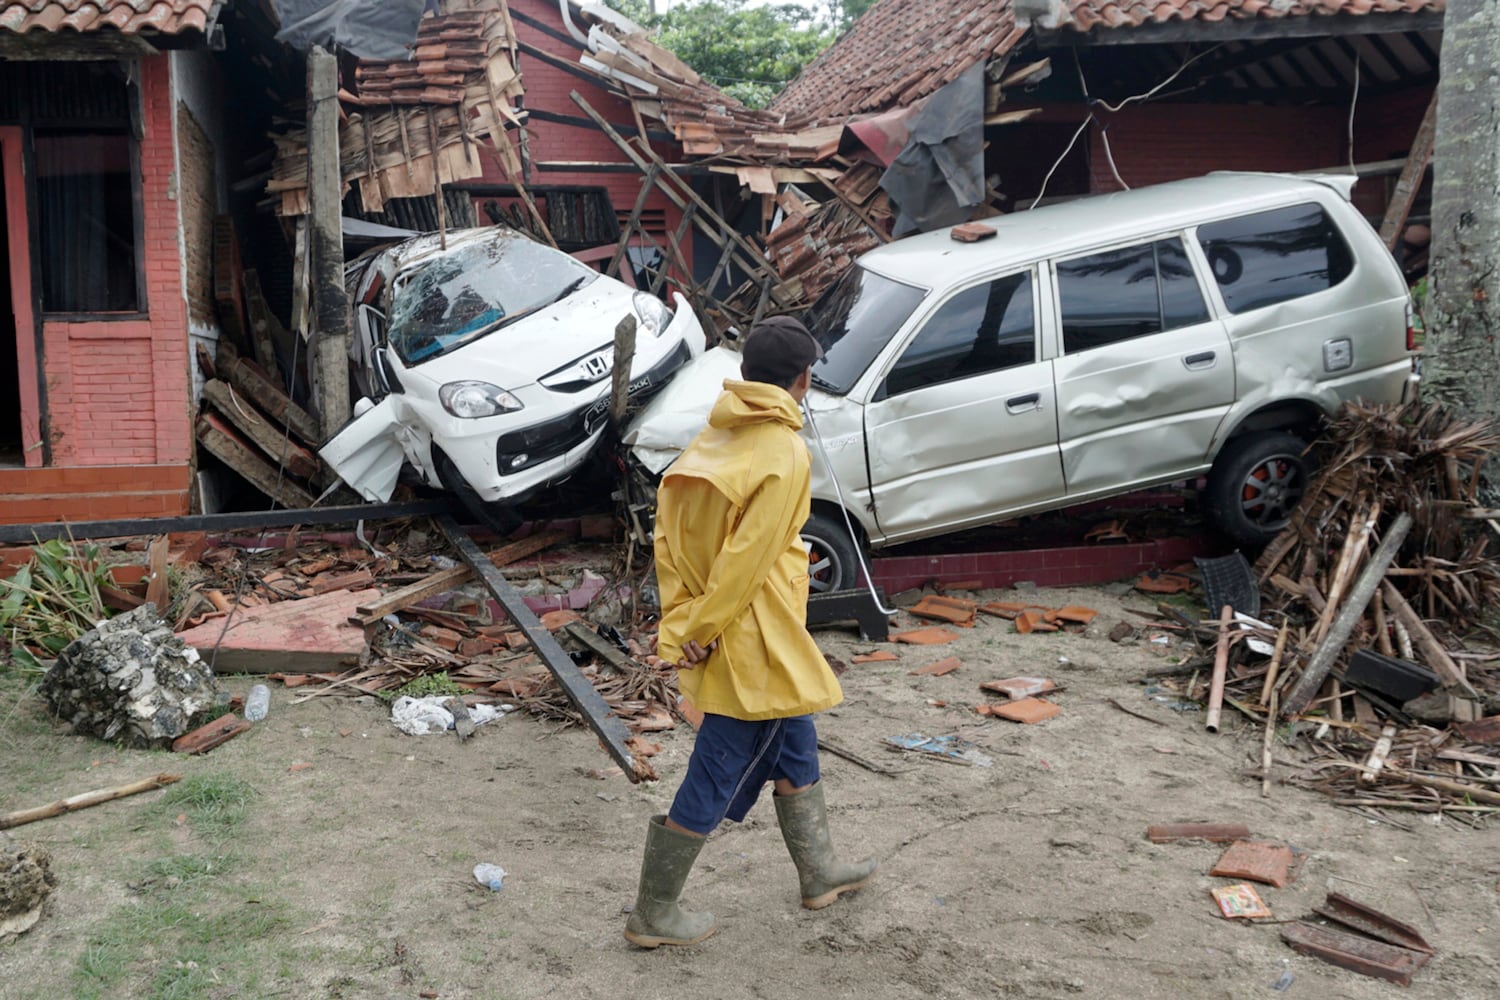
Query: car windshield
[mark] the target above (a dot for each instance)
(853, 320)
(475, 289)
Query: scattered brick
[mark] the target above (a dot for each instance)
(1028, 710)
(925, 636)
(1016, 688)
(940, 667)
(1260, 861)
(876, 656)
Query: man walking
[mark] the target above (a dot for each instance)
(733, 576)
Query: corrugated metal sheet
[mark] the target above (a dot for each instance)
(130, 17)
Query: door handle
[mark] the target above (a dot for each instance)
(1020, 404)
(1200, 361)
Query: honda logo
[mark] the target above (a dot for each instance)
(597, 365)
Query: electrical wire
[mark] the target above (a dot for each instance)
(838, 490)
(1153, 91)
(1353, 103)
(1068, 149)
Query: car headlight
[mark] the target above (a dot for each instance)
(652, 313)
(472, 400)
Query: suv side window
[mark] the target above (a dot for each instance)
(1131, 292)
(981, 329)
(1270, 257)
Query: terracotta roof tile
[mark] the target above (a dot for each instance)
(1089, 14)
(903, 50)
(162, 17)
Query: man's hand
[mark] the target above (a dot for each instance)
(694, 654)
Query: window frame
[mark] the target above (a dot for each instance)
(142, 309)
(1038, 327)
(1213, 307)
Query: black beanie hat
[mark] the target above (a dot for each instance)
(777, 350)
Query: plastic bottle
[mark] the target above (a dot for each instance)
(256, 703)
(489, 875)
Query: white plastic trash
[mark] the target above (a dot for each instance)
(489, 875)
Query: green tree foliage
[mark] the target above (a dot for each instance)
(749, 52)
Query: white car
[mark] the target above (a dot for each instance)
(487, 366)
(1087, 349)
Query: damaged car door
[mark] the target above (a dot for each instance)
(964, 423)
(1145, 375)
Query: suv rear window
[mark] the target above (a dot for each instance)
(1270, 257)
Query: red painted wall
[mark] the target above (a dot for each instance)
(118, 390)
(547, 88)
(1165, 142)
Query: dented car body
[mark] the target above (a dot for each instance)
(486, 365)
(1088, 349)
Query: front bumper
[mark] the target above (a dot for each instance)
(509, 466)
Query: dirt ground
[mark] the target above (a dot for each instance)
(1031, 877)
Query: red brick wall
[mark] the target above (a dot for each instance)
(547, 88)
(117, 390)
(1164, 142)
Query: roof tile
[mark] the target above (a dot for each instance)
(130, 17)
(911, 47)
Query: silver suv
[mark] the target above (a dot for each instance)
(1086, 350)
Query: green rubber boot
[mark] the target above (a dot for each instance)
(804, 825)
(657, 919)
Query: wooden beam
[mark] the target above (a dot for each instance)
(270, 439)
(609, 727)
(1411, 176)
(221, 441)
(1338, 633)
(1243, 29)
(330, 352)
(252, 381)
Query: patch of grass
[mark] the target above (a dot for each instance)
(216, 804)
(420, 687)
(194, 928)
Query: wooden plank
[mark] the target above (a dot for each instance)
(248, 421)
(305, 636)
(1353, 610)
(610, 729)
(1436, 656)
(157, 586)
(251, 380)
(1411, 176)
(219, 438)
(438, 583)
(262, 332)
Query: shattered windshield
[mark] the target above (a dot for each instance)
(473, 290)
(853, 320)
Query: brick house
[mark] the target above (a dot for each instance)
(108, 126)
(1152, 91)
(119, 150)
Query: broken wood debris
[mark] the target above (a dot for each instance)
(84, 800)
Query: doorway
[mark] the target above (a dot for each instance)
(20, 412)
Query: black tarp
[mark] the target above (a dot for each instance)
(939, 177)
(370, 29)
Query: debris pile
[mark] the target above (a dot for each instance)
(26, 880)
(1382, 572)
(131, 680)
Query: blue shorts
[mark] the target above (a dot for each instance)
(733, 759)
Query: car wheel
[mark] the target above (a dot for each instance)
(832, 558)
(1256, 483)
(500, 519)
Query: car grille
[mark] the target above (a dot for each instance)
(540, 442)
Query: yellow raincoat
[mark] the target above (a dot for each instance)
(731, 565)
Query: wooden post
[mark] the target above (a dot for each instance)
(619, 395)
(330, 353)
(1221, 665)
(1354, 608)
(1411, 176)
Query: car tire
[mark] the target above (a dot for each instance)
(1256, 483)
(832, 556)
(499, 518)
